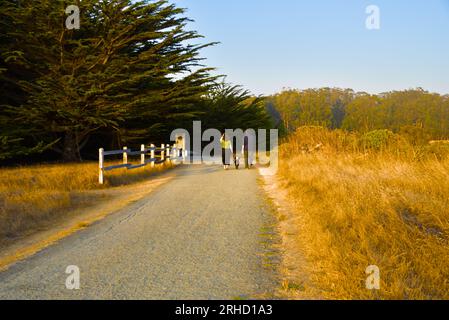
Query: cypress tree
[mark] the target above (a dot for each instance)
(128, 68)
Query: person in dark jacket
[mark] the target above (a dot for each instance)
(246, 151)
(249, 148)
(226, 151)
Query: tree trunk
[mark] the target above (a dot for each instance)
(70, 150)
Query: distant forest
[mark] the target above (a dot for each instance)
(416, 114)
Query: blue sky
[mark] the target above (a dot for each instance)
(267, 45)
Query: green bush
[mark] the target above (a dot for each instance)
(378, 139)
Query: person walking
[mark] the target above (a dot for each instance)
(236, 157)
(180, 147)
(226, 151)
(247, 149)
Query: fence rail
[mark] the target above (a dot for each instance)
(165, 153)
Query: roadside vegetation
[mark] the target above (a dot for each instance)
(34, 196)
(370, 199)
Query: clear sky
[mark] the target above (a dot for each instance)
(267, 45)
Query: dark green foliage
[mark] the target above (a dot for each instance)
(128, 70)
(231, 107)
(129, 75)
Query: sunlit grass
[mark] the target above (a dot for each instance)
(362, 207)
(33, 195)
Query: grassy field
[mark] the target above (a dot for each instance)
(31, 197)
(370, 200)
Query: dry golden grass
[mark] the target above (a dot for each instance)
(33, 196)
(362, 207)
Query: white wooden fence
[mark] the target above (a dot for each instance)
(165, 153)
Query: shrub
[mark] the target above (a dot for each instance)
(378, 139)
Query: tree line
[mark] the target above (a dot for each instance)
(131, 74)
(417, 114)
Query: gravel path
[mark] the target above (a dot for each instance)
(197, 237)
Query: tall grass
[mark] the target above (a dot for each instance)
(368, 204)
(32, 196)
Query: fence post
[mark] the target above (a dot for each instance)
(142, 156)
(168, 153)
(101, 165)
(153, 154)
(163, 153)
(125, 155)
